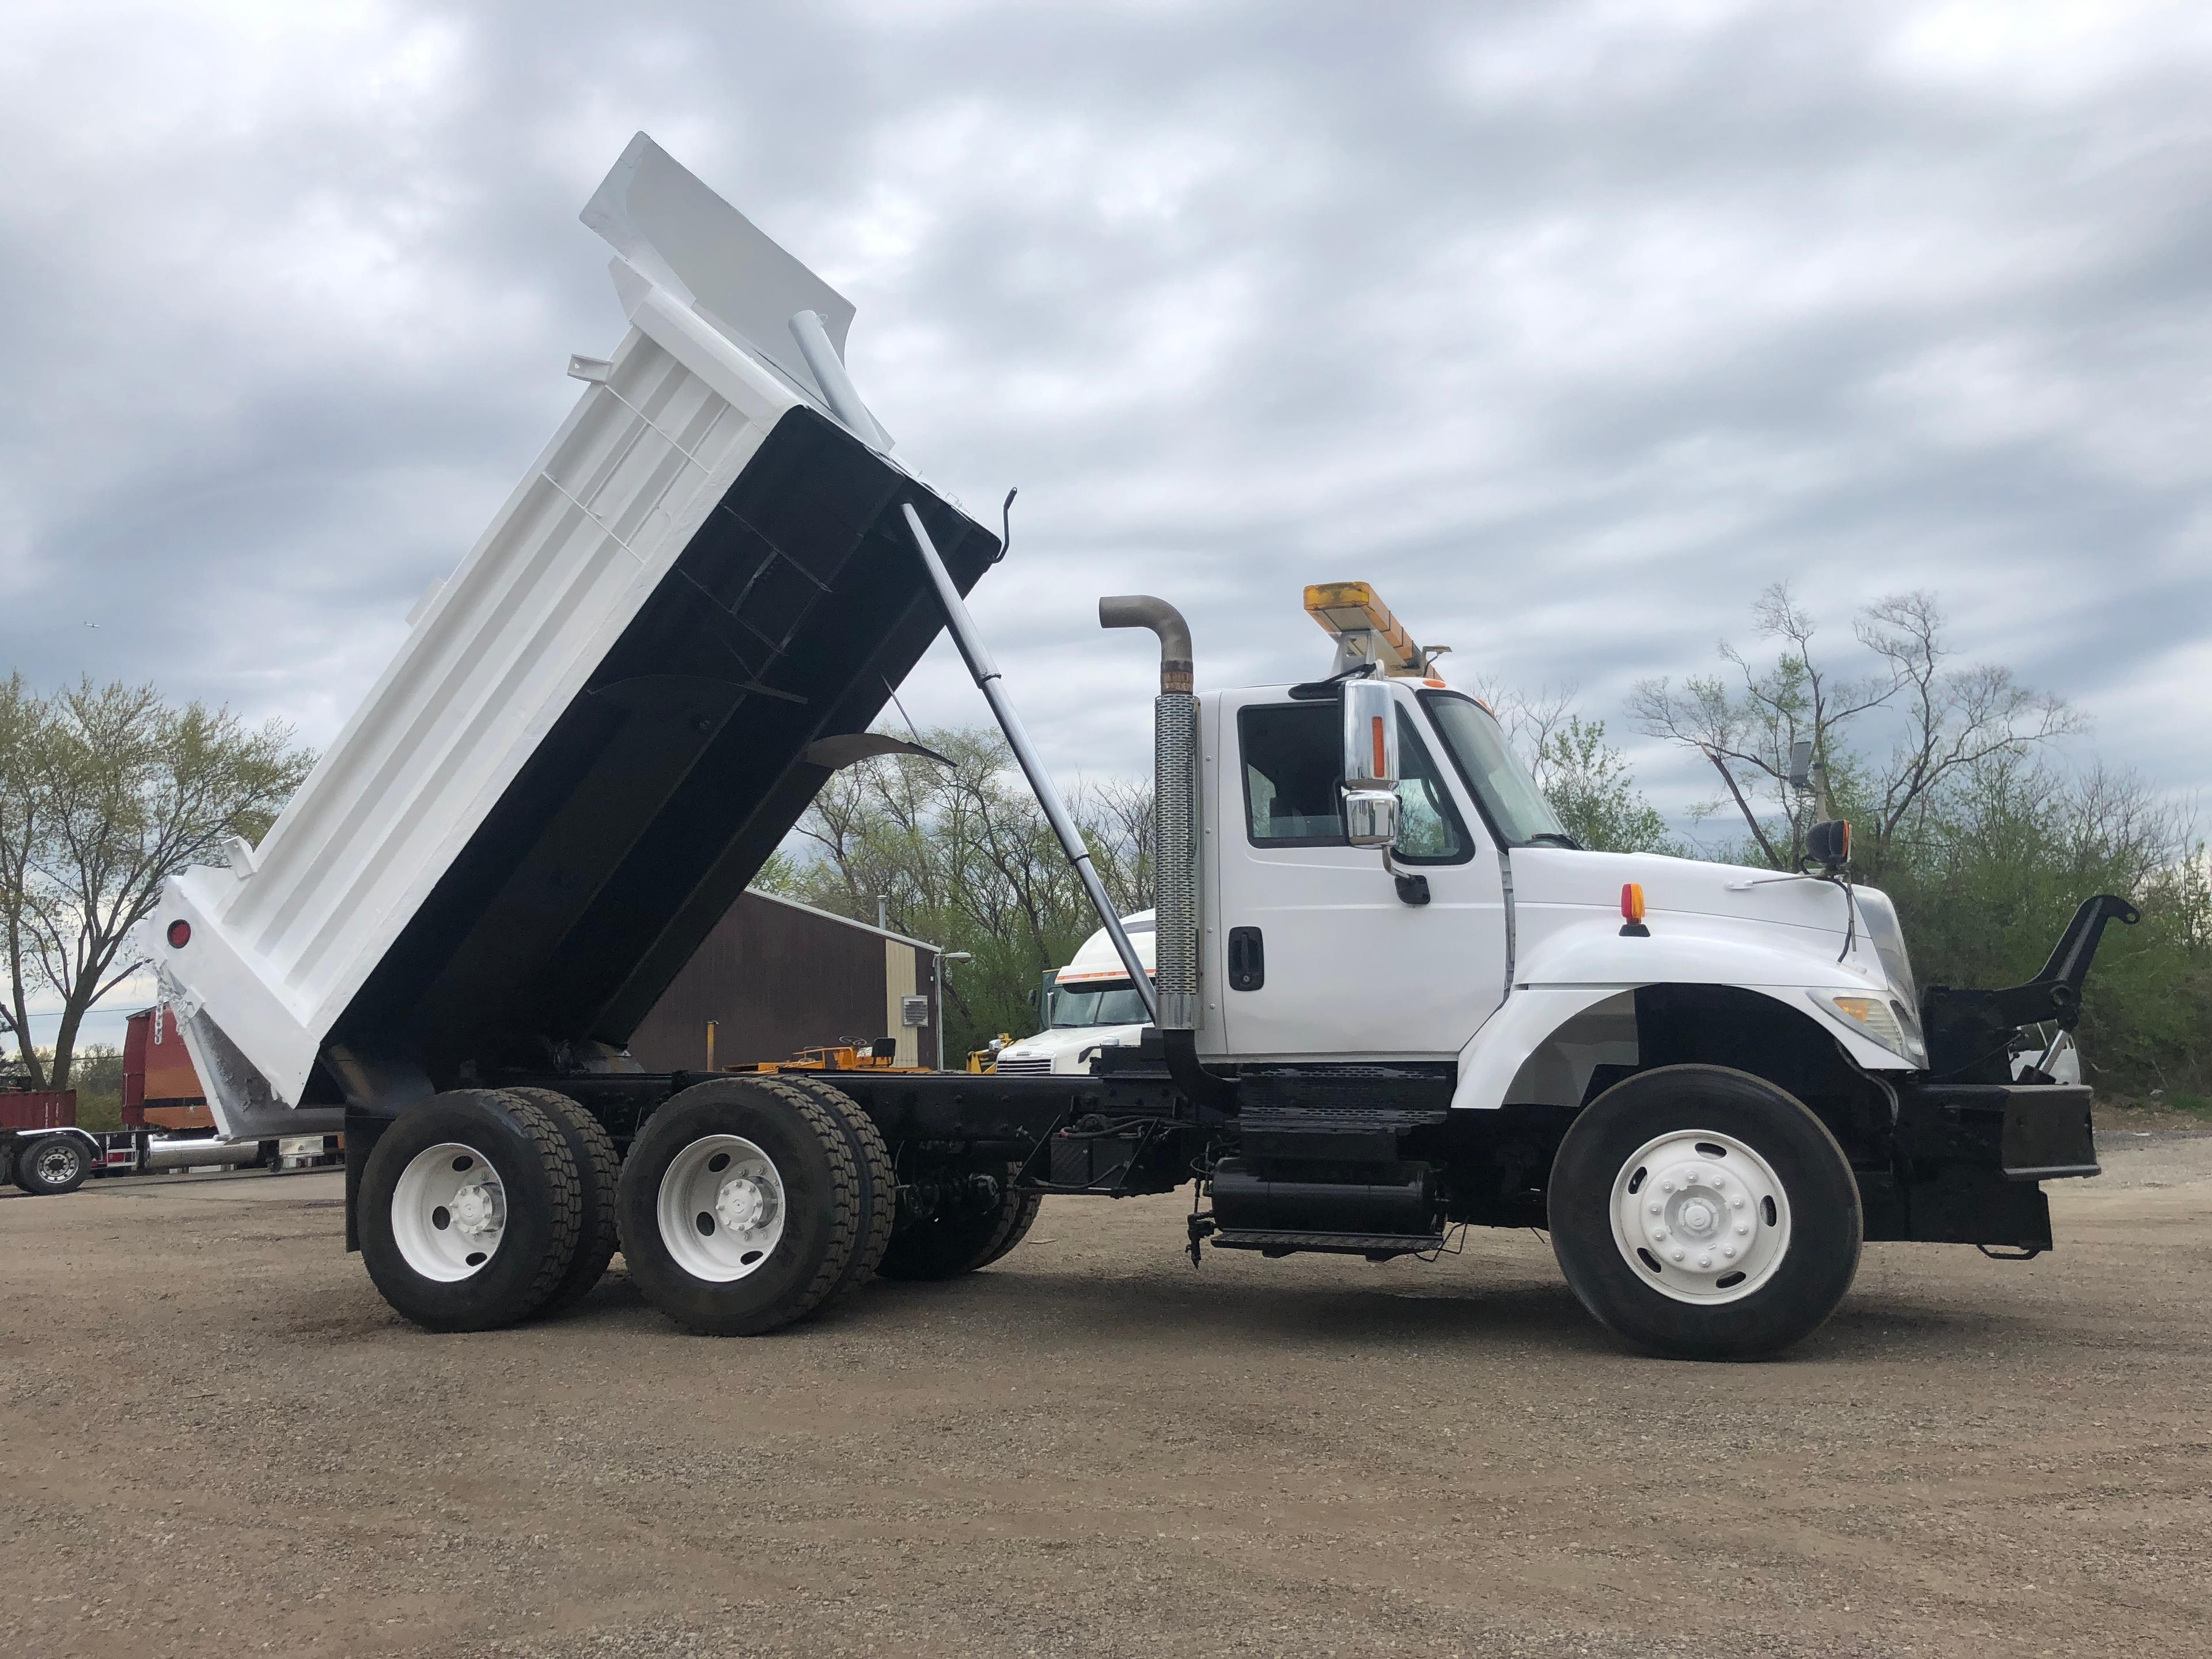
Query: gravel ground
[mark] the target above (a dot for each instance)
(215, 1439)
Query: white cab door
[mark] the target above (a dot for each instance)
(1346, 968)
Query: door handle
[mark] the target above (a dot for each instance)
(1248, 959)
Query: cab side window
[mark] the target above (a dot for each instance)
(1292, 775)
(1294, 780)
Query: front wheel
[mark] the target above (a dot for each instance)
(53, 1165)
(1703, 1213)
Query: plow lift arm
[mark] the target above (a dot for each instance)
(1970, 1032)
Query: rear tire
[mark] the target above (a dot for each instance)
(469, 1210)
(739, 1205)
(1024, 1218)
(52, 1165)
(1703, 1213)
(957, 1239)
(879, 1178)
(598, 1167)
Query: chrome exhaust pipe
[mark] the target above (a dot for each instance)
(1175, 807)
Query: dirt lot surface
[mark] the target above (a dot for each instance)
(215, 1439)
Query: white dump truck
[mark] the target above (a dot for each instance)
(1090, 1004)
(1389, 997)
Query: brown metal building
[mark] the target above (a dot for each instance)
(777, 976)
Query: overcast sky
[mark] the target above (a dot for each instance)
(1569, 326)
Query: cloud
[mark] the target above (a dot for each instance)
(1570, 325)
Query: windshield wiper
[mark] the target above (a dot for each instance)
(1553, 838)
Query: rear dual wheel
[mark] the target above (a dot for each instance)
(472, 1209)
(743, 1204)
(960, 1237)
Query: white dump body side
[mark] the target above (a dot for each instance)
(284, 938)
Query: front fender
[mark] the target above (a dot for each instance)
(1580, 962)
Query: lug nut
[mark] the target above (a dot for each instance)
(1675, 1254)
(1743, 1226)
(1704, 1261)
(1729, 1250)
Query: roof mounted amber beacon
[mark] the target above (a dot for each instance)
(1366, 632)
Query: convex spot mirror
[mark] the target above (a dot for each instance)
(1370, 817)
(1370, 736)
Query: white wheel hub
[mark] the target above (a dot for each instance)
(448, 1211)
(1701, 1216)
(722, 1208)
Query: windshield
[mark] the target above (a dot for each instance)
(1511, 799)
(1110, 1003)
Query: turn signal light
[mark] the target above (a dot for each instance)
(1631, 901)
(180, 933)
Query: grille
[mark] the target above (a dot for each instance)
(1023, 1068)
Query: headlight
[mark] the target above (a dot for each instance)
(1880, 1019)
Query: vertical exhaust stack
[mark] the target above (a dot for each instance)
(1175, 807)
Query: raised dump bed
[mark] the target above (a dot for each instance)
(601, 723)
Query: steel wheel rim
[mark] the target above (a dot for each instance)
(1701, 1216)
(722, 1208)
(58, 1164)
(449, 1213)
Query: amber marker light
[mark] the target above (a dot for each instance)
(1632, 910)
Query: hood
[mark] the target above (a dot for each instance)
(1793, 936)
(1061, 1049)
(1545, 877)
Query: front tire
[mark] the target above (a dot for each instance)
(740, 1206)
(469, 1210)
(1703, 1213)
(52, 1165)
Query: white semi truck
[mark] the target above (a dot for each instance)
(1389, 997)
(1090, 1004)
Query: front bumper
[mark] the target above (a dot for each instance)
(2026, 1131)
(1967, 1158)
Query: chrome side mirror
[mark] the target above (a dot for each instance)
(1370, 817)
(1370, 737)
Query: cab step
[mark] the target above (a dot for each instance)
(1375, 1247)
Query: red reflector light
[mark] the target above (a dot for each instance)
(180, 934)
(1631, 901)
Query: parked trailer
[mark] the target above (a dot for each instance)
(167, 1125)
(1390, 996)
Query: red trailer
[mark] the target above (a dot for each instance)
(161, 1090)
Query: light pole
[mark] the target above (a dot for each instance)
(946, 959)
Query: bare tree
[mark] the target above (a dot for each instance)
(1955, 718)
(1745, 723)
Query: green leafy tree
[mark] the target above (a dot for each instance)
(106, 791)
(961, 856)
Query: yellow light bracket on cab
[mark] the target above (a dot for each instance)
(1364, 630)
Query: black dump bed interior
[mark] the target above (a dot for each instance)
(664, 787)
